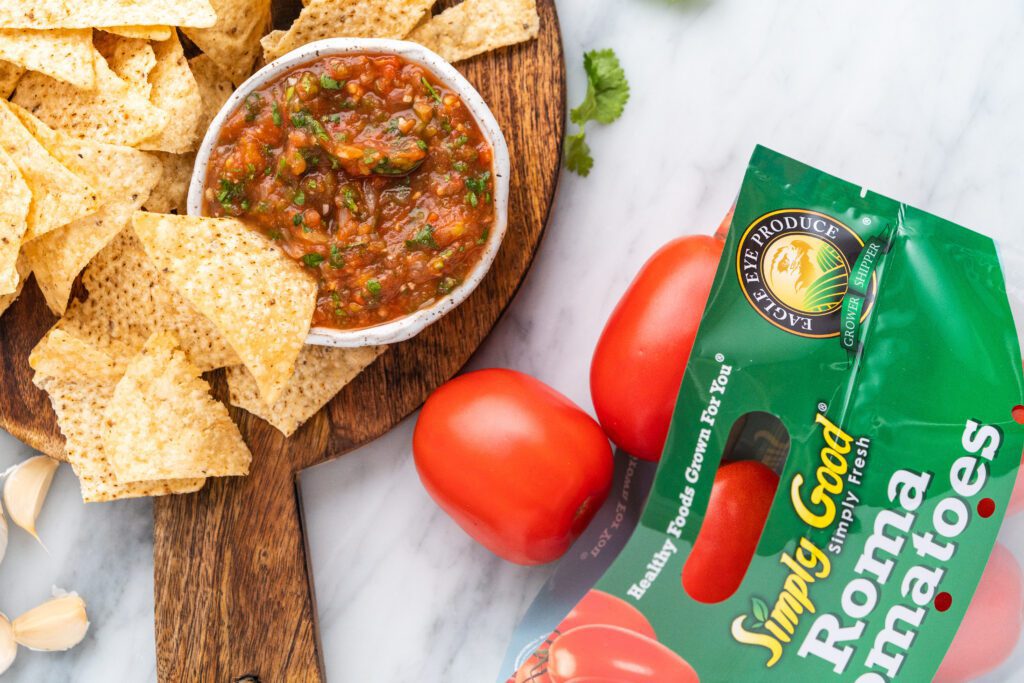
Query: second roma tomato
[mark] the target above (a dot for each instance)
(641, 355)
(596, 607)
(613, 654)
(516, 464)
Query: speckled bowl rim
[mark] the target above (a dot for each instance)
(409, 326)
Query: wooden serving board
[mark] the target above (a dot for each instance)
(234, 599)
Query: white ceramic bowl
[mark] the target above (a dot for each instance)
(406, 327)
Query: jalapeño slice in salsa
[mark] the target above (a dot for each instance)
(366, 170)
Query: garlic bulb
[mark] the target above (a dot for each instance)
(8, 648)
(26, 488)
(58, 624)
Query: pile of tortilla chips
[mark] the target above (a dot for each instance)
(101, 114)
(462, 31)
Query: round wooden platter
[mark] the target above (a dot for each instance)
(234, 599)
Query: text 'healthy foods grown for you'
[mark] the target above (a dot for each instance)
(369, 172)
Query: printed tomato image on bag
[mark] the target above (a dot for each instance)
(841, 454)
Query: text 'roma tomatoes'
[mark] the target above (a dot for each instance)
(741, 497)
(641, 356)
(609, 653)
(992, 625)
(517, 465)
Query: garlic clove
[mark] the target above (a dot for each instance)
(58, 624)
(3, 535)
(8, 648)
(26, 488)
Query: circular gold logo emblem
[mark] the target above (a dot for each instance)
(794, 268)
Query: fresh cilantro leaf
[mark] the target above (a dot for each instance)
(312, 259)
(423, 239)
(607, 94)
(607, 89)
(230, 193)
(350, 200)
(577, 154)
(479, 184)
(328, 83)
(337, 259)
(431, 90)
(373, 287)
(303, 119)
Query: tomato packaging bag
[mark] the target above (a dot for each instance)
(841, 455)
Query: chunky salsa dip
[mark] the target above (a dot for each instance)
(366, 170)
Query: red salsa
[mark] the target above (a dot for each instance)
(369, 172)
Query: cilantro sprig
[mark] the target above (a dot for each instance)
(607, 94)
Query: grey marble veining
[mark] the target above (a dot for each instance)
(922, 101)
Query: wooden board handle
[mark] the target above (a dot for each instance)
(234, 598)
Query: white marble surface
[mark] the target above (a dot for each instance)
(923, 101)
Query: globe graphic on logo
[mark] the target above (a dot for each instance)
(805, 273)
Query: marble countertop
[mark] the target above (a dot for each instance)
(920, 101)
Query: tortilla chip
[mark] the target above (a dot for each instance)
(143, 32)
(269, 44)
(171, 193)
(163, 424)
(176, 92)
(10, 74)
(129, 300)
(58, 195)
(65, 54)
(15, 200)
(60, 354)
(113, 112)
(260, 300)
(7, 299)
(132, 59)
(320, 373)
(124, 178)
(358, 18)
(80, 380)
(476, 26)
(92, 13)
(214, 89)
(234, 41)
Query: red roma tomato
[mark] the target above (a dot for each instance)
(737, 510)
(517, 465)
(598, 607)
(641, 356)
(992, 626)
(615, 655)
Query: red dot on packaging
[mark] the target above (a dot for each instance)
(986, 507)
(1018, 414)
(943, 601)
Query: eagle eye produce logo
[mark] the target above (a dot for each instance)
(794, 267)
